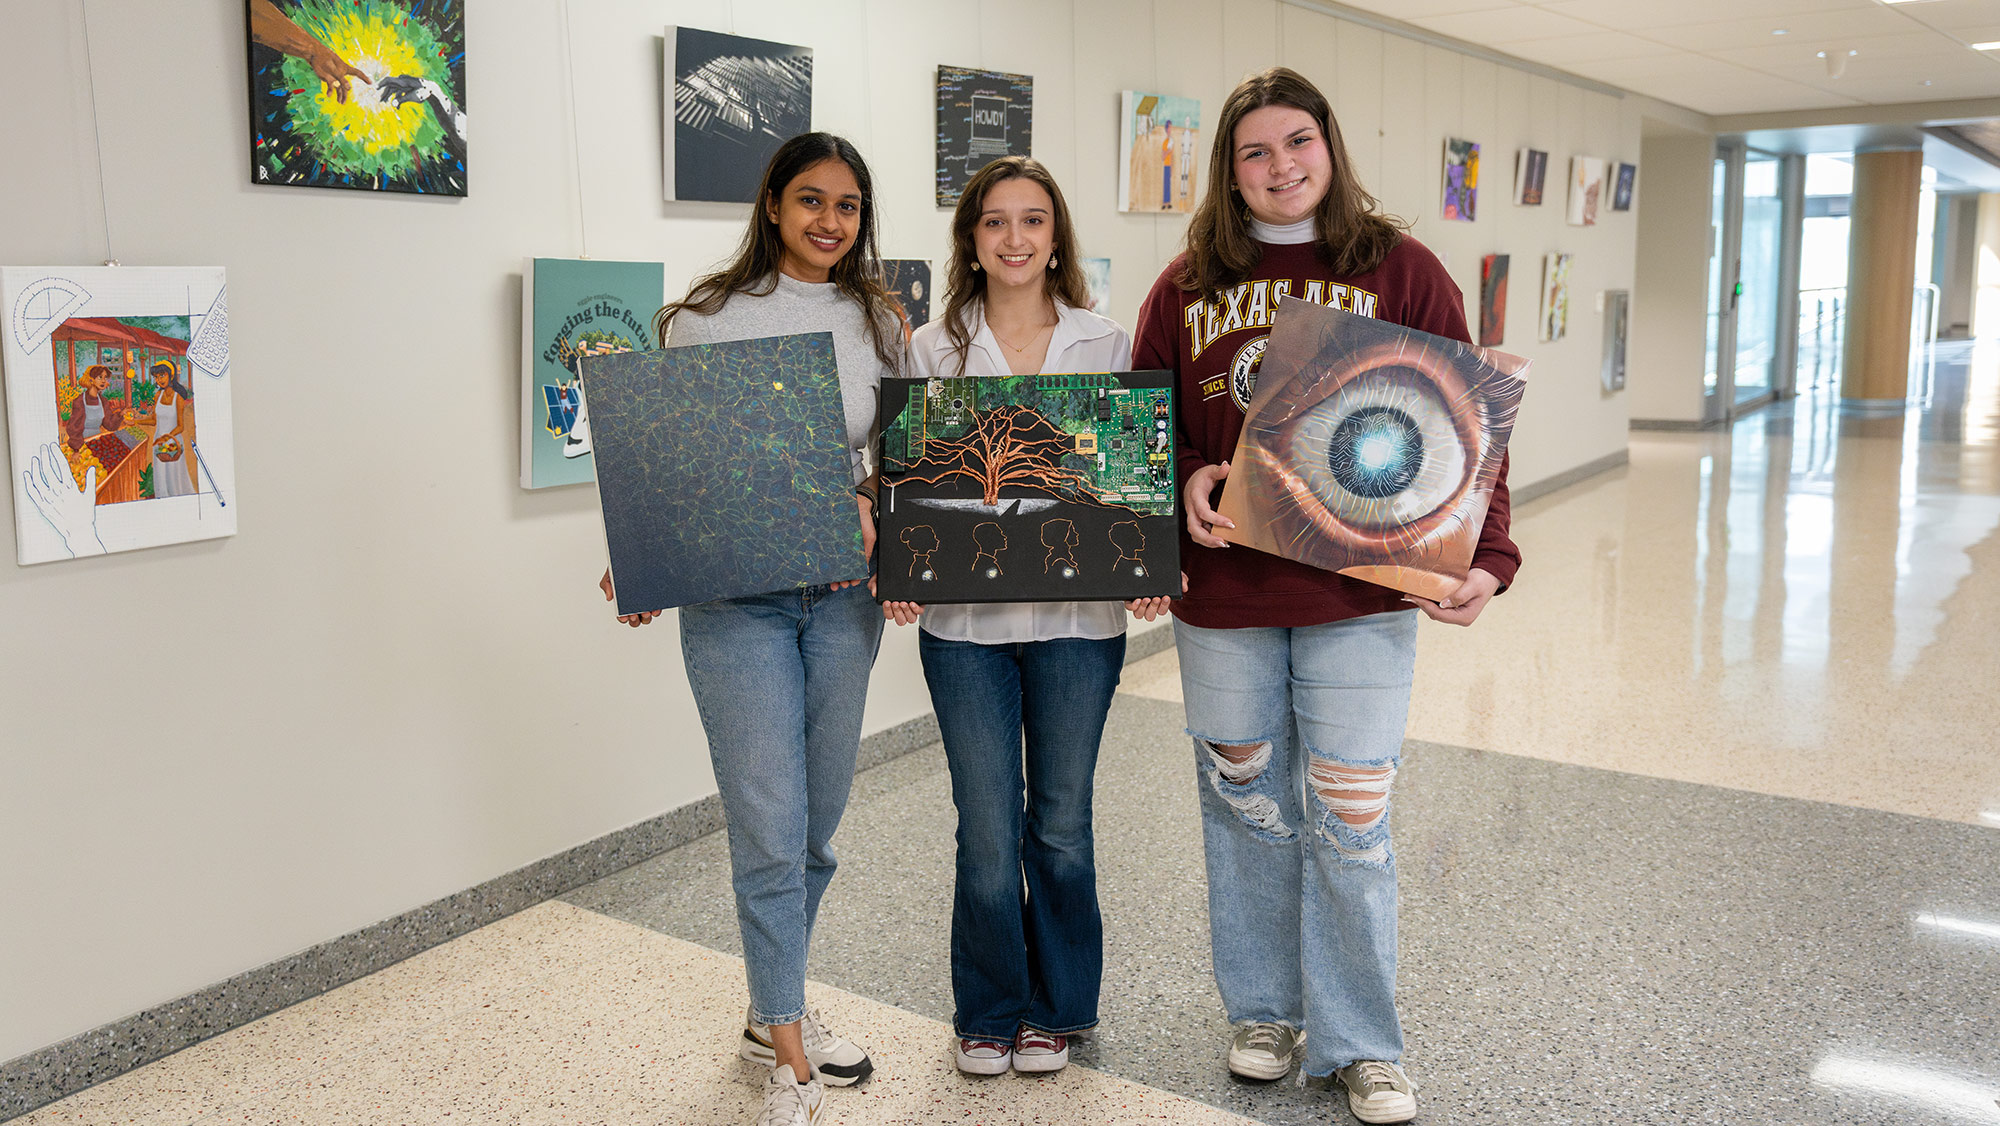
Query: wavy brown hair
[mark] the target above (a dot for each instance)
(966, 284)
(754, 270)
(1354, 235)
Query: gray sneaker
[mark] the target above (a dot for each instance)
(1378, 1091)
(1263, 1050)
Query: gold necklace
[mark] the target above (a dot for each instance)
(1024, 347)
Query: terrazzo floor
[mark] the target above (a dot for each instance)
(1729, 852)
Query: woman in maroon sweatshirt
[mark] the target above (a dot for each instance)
(1297, 680)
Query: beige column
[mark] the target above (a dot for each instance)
(1986, 269)
(1881, 279)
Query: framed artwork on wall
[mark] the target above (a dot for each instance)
(364, 96)
(1461, 180)
(730, 102)
(1160, 137)
(1097, 278)
(572, 309)
(909, 282)
(1586, 187)
(1037, 488)
(1370, 449)
(1621, 192)
(1617, 318)
(1531, 169)
(723, 470)
(1555, 297)
(982, 115)
(1492, 300)
(119, 416)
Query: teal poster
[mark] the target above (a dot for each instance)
(570, 309)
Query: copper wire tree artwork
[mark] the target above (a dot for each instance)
(1010, 446)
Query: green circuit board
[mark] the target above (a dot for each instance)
(1120, 430)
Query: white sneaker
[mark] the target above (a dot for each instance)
(836, 1062)
(1263, 1049)
(1378, 1091)
(984, 1057)
(787, 1102)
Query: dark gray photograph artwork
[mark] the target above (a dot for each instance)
(723, 470)
(908, 280)
(982, 115)
(732, 101)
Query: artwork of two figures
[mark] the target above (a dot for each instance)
(1028, 488)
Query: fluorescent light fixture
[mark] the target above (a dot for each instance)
(1963, 1099)
(1931, 920)
(1781, 31)
(1990, 816)
(1993, 46)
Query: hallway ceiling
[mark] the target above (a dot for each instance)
(1728, 56)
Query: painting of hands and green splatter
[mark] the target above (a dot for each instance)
(723, 470)
(363, 94)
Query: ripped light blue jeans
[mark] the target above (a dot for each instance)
(1295, 819)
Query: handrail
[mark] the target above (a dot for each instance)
(1823, 319)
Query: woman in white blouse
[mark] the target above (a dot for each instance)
(1025, 969)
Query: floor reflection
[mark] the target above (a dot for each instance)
(1802, 604)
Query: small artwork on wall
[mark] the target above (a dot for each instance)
(1461, 180)
(909, 282)
(1555, 297)
(1160, 135)
(1531, 171)
(365, 96)
(1617, 316)
(1097, 279)
(982, 115)
(1492, 300)
(1586, 188)
(572, 309)
(730, 102)
(1621, 192)
(118, 408)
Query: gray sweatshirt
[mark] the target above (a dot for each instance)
(802, 307)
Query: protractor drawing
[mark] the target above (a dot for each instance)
(209, 350)
(43, 307)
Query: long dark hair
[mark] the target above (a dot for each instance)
(174, 383)
(754, 271)
(1354, 236)
(965, 283)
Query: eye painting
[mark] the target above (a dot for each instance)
(1371, 449)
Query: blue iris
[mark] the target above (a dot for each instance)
(1376, 452)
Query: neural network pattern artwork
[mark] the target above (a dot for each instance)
(723, 470)
(1371, 449)
(364, 94)
(1028, 488)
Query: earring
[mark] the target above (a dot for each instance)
(1052, 261)
(975, 267)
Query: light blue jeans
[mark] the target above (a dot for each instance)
(780, 680)
(1301, 901)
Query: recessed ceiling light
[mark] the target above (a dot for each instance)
(1781, 31)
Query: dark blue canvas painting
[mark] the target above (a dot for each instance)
(723, 470)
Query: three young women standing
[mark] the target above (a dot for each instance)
(780, 679)
(1027, 941)
(1296, 680)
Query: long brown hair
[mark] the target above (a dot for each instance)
(754, 271)
(965, 283)
(1354, 236)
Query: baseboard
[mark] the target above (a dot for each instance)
(1672, 424)
(62, 1069)
(1563, 480)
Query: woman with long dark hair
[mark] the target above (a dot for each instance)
(1296, 680)
(780, 678)
(1025, 968)
(173, 433)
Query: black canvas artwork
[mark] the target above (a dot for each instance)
(723, 470)
(731, 103)
(1621, 193)
(982, 115)
(1038, 488)
(909, 282)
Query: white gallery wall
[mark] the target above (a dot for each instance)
(399, 679)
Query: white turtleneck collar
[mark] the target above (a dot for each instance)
(1288, 235)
